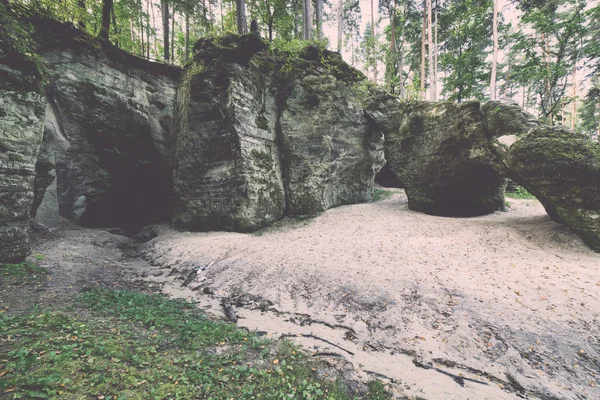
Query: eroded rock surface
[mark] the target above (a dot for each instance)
(331, 151)
(261, 136)
(108, 134)
(562, 169)
(21, 126)
(440, 152)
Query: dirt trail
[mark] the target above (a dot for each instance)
(483, 308)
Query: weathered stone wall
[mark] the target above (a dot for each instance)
(227, 171)
(21, 125)
(108, 137)
(260, 136)
(87, 137)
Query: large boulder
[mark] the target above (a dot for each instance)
(21, 125)
(261, 136)
(228, 174)
(562, 169)
(440, 152)
(331, 152)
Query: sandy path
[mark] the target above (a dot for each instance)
(512, 299)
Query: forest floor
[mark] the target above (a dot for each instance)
(492, 307)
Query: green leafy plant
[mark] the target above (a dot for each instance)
(520, 193)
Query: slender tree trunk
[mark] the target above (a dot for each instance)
(307, 20)
(574, 105)
(81, 23)
(400, 52)
(423, 77)
(495, 52)
(106, 8)
(187, 36)
(340, 26)
(548, 101)
(141, 21)
(173, 35)
(374, 41)
(148, 30)
(114, 24)
(392, 59)
(430, 46)
(319, 18)
(165, 22)
(240, 12)
(132, 34)
(154, 32)
(222, 19)
(435, 51)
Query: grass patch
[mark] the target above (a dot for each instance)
(25, 273)
(520, 193)
(128, 345)
(380, 195)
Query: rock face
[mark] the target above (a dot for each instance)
(440, 152)
(21, 126)
(562, 169)
(227, 173)
(261, 136)
(108, 135)
(94, 145)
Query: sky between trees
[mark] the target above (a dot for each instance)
(548, 51)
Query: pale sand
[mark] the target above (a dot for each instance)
(510, 298)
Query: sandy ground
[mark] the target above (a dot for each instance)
(492, 307)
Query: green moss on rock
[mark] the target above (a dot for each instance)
(562, 169)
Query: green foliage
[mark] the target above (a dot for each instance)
(466, 28)
(520, 193)
(380, 195)
(127, 345)
(25, 273)
(18, 49)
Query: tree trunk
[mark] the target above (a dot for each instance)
(400, 52)
(374, 41)
(435, 51)
(392, 59)
(430, 47)
(423, 77)
(142, 45)
(165, 22)
(307, 20)
(114, 24)
(574, 106)
(340, 26)
(240, 12)
(154, 30)
(173, 35)
(148, 30)
(319, 18)
(187, 36)
(222, 20)
(495, 52)
(106, 8)
(81, 23)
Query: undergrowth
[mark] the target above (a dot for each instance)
(25, 273)
(128, 345)
(381, 195)
(520, 193)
